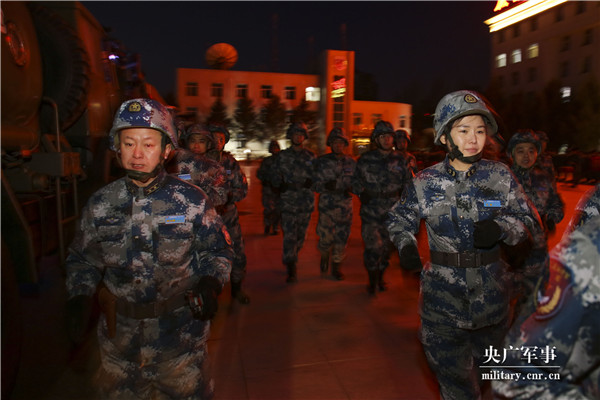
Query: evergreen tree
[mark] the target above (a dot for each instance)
(218, 113)
(246, 120)
(273, 119)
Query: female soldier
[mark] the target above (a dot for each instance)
(469, 205)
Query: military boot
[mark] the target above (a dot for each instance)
(238, 294)
(324, 263)
(373, 278)
(335, 271)
(291, 270)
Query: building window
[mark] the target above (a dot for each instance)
(312, 94)
(191, 89)
(560, 14)
(587, 65)
(338, 107)
(357, 119)
(266, 91)
(564, 69)
(531, 74)
(533, 24)
(290, 92)
(516, 30)
(587, 37)
(375, 118)
(216, 90)
(402, 122)
(581, 7)
(241, 91)
(533, 50)
(565, 94)
(501, 36)
(501, 60)
(565, 43)
(515, 56)
(515, 78)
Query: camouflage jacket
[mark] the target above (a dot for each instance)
(238, 185)
(450, 201)
(332, 179)
(562, 335)
(544, 161)
(147, 244)
(539, 187)
(587, 207)
(293, 176)
(201, 171)
(410, 162)
(266, 170)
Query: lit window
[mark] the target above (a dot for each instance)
(501, 60)
(565, 94)
(357, 118)
(265, 91)
(515, 56)
(242, 91)
(216, 90)
(312, 94)
(191, 89)
(533, 50)
(290, 92)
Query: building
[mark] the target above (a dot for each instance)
(330, 93)
(538, 41)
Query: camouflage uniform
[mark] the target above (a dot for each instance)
(410, 162)
(462, 305)
(270, 196)
(201, 171)
(147, 245)
(335, 203)
(563, 331)
(378, 180)
(238, 189)
(293, 176)
(587, 208)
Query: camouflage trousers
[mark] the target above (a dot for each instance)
(156, 358)
(271, 208)
(294, 226)
(232, 223)
(333, 229)
(378, 246)
(455, 354)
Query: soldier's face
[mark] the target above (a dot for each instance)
(401, 144)
(338, 146)
(298, 138)
(198, 144)
(386, 141)
(525, 155)
(469, 134)
(219, 140)
(141, 149)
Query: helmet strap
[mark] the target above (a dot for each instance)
(455, 153)
(144, 176)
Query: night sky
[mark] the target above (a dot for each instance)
(402, 44)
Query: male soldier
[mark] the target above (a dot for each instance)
(401, 141)
(238, 189)
(270, 196)
(555, 353)
(293, 178)
(379, 178)
(158, 254)
(196, 168)
(332, 179)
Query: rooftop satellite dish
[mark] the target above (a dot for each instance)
(221, 56)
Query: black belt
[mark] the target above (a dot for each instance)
(151, 310)
(466, 259)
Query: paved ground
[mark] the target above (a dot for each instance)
(316, 339)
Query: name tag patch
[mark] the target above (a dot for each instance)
(185, 177)
(492, 204)
(174, 219)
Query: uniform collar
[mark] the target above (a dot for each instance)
(450, 170)
(154, 185)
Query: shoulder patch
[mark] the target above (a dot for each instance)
(551, 301)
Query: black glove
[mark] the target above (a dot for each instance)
(365, 197)
(79, 312)
(307, 183)
(330, 185)
(209, 289)
(486, 234)
(410, 259)
(550, 224)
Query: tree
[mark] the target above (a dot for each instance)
(218, 113)
(273, 119)
(245, 119)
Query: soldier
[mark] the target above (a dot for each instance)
(378, 179)
(238, 189)
(270, 196)
(402, 139)
(587, 207)
(192, 165)
(159, 255)
(554, 353)
(293, 178)
(332, 179)
(469, 205)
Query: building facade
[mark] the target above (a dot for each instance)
(537, 41)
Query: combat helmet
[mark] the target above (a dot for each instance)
(219, 128)
(337, 133)
(143, 113)
(523, 136)
(381, 128)
(402, 134)
(199, 129)
(273, 145)
(297, 127)
(460, 104)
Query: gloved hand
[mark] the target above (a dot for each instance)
(330, 185)
(365, 197)
(550, 224)
(410, 259)
(209, 288)
(486, 234)
(307, 183)
(78, 314)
